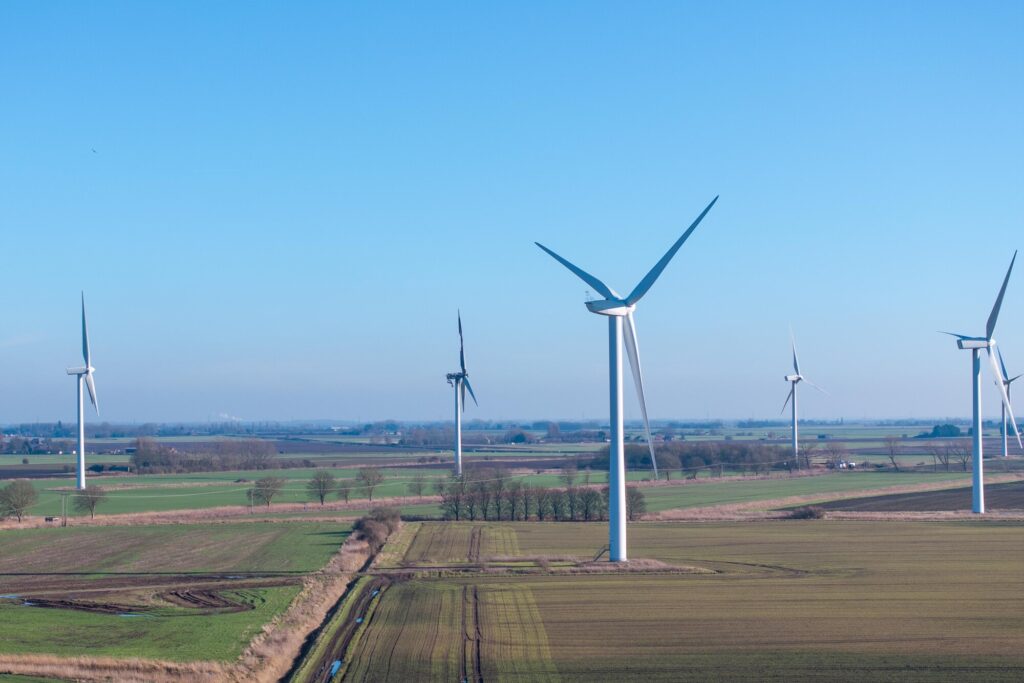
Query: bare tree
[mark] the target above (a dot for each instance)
(88, 499)
(418, 484)
(345, 489)
(263, 490)
(807, 449)
(636, 504)
(16, 498)
(960, 452)
(892, 447)
(321, 485)
(370, 478)
(569, 472)
(836, 453)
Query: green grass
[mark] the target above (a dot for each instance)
(293, 547)
(173, 634)
(827, 486)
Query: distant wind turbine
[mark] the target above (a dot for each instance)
(794, 380)
(84, 376)
(974, 345)
(620, 309)
(1007, 381)
(460, 381)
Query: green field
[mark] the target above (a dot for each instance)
(123, 591)
(171, 634)
(293, 547)
(160, 493)
(827, 486)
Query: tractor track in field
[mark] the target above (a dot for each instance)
(340, 641)
(474, 544)
(471, 636)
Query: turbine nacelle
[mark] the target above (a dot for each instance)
(793, 378)
(81, 371)
(969, 344)
(610, 307)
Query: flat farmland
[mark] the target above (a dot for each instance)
(779, 600)
(175, 592)
(706, 493)
(1006, 496)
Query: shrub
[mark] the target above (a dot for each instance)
(808, 512)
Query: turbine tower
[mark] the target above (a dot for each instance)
(84, 375)
(622, 330)
(460, 381)
(1007, 381)
(794, 380)
(975, 345)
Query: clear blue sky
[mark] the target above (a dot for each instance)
(287, 204)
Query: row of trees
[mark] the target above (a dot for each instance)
(152, 457)
(492, 495)
(687, 456)
(322, 485)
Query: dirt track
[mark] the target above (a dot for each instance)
(342, 636)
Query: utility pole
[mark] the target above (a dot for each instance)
(63, 508)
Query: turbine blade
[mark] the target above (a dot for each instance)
(955, 334)
(85, 337)
(816, 386)
(601, 287)
(1002, 391)
(1002, 364)
(638, 378)
(467, 385)
(462, 353)
(649, 279)
(796, 362)
(991, 326)
(92, 391)
(1014, 379)
(788, 396)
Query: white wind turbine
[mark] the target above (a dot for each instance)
(618, 309)
(460, 381)
(794, 380)
(974, 345)
(84, 375)
(1007, 381)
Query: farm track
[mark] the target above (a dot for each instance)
(341, 638)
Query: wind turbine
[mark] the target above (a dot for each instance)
(974, 345)
(460, 381)
(619, 309)
(1007, 381)
(84, 375)
(794, 380)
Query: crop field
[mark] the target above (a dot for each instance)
(1006, 496)
(175, 592)
(778, 600)
(827, 486)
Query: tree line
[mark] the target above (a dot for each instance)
(492, 495)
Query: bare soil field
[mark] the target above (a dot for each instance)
(1005, 496)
